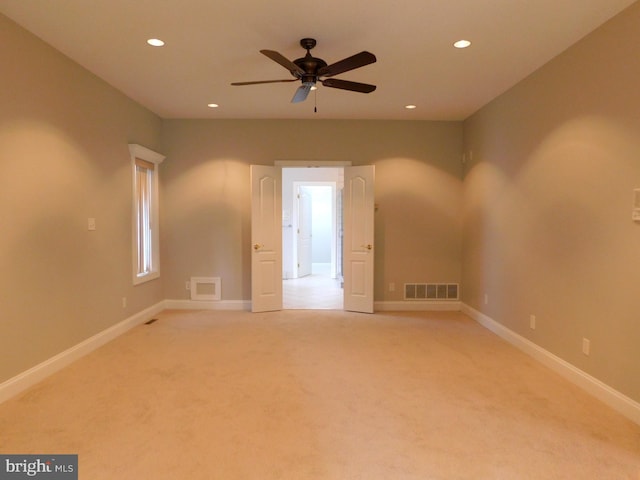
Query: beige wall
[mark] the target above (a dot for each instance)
(63, 159)
(548, 200)
(206, 197)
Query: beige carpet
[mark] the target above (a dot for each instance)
(318, 395)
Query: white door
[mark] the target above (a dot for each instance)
(266, 238)
(304, 231)
(358, 207)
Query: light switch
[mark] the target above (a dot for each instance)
(91, 224)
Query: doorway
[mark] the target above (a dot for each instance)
(267, 227)
(311, 238)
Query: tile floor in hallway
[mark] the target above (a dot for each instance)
(317, 291)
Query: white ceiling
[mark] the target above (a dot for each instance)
(210, 44)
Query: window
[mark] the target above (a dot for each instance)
(146, 248)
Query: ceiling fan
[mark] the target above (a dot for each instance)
(310, 70)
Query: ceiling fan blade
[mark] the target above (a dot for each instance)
(355, 61)
(282, 60)
(264, 81)
(346, 85)
(301, 93)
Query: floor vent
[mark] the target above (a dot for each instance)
(151, 321)
(205, 288)
(431, 291)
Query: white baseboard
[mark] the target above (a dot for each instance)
(417, 306)
(413, 305)
(207, 305)
(603, 392)
(30, 377)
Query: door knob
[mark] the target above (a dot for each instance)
(368, 246)
(257, 246)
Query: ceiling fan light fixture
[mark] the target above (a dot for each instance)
(155, 42)
(410, 107)
(462, 44)
(212, 105)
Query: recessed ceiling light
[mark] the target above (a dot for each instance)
(155, 42)
(462, 44)
(213, 105)
(410, 107)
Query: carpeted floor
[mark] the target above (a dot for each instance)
(318, 395)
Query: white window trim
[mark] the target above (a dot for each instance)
(143, 153)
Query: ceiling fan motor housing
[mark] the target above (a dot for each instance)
(309, 63)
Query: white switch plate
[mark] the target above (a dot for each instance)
(91, 224)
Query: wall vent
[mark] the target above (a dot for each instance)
(205, 288)
(431, 291)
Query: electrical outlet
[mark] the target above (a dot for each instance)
(532, 322)
(392, 287)
(124, 302)
(91, 224)
(486, 299)
(586, 346)
(187, 285)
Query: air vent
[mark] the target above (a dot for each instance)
(431, 291)
(205, 288)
